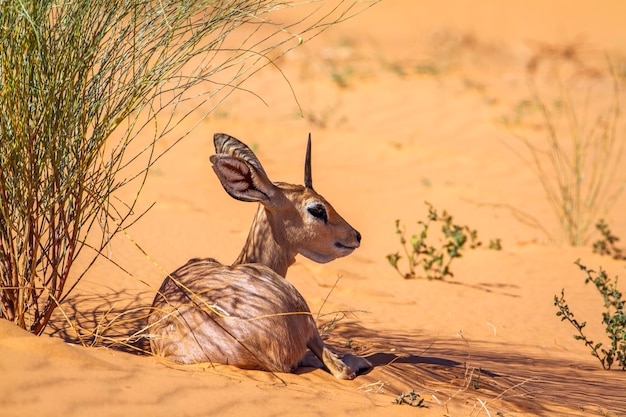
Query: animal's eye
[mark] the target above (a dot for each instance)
(318, 211)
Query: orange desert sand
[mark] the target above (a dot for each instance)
(406, 104)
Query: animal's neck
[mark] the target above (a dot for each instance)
(265, 246)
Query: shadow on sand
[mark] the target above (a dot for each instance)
(446, 369)
(115, 320)
(461, 369)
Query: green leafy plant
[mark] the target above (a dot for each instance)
(614, 318)
(87, 89)
(434, 259)
(607, 245)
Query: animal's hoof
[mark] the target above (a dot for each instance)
(357, 364)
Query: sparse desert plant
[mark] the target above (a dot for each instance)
(411, 398)
(580, 161)
(495, 244)
(325, 117)
(341, 76)
(607, 245)
(434, 259)
(81, 82)
(614, 318)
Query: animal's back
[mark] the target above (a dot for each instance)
(243, 315)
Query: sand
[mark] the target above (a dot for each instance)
(406, 104)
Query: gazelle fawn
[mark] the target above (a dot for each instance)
(247, 314)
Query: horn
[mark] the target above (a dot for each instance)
(308, 180)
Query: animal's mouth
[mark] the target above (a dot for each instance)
(344, 247)
(341, 249)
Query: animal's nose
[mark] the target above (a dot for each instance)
(358, 236)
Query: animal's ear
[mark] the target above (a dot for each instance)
(228, 145)
(240, 172)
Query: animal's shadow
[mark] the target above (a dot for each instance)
(405, 360)
(514, 377)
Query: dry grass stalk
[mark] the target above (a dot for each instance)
(578, 162)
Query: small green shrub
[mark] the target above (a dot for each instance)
(434, 260)
(614, 318)
(606, 245)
